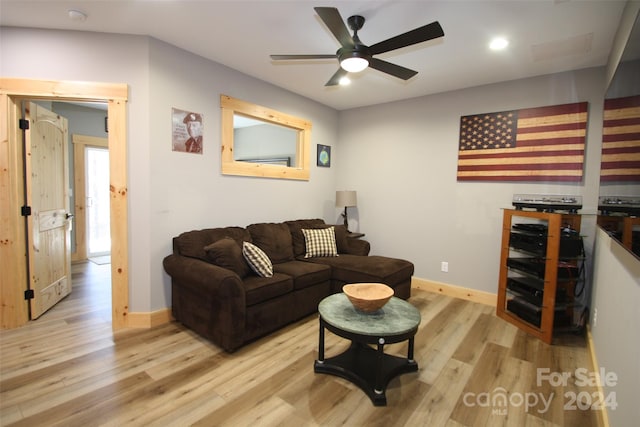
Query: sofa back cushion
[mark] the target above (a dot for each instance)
(192, 243)
(274, 239)
(226, 253)
(295, 228)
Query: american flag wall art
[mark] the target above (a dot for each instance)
(621, 140)
(533, 144)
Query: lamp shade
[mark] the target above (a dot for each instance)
(346, 198)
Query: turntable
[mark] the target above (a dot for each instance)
(619, 204)
(547, 203)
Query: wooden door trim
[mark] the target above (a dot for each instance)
(12, 231)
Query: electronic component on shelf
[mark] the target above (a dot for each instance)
(547, 203)
(539, 229)
(536, 267)
(619, 204)
(530, 289)
(534, 244)
(533, 238)
(528, 312)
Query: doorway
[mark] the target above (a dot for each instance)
(12, 232)
(97, 202)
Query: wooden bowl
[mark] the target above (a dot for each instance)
(368, 297)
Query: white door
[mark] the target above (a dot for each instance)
(49, 225)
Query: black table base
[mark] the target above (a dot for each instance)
(365, 366)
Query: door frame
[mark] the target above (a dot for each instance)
(13, 263)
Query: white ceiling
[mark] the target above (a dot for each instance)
(546, 36)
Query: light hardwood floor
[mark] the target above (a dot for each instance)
(67, 368)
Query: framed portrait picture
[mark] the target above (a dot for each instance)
(186, 131)
(324, 156)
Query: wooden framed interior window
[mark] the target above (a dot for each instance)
(261, 163)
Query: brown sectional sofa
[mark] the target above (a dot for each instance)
(216, 294)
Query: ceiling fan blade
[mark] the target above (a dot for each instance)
(332, 19)
(335, 79)
(393, 69)
(293, 57)
(419, 35)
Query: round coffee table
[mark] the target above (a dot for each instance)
(367, 367)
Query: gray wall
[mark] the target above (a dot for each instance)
(404, 165)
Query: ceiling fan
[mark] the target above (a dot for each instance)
(354, 56)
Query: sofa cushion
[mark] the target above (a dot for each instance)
(320, 242)
(304, 274)
(341, 238)
(257, 260)
(260, 289)
(356, 268)
(299, 245)
(227, 253)
(192, 243)
(274, 239)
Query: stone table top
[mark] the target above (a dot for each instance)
(396, 317)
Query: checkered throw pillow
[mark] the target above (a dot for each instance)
(320, 242)
(257, 260)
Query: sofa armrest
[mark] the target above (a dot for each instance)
(358, 247)
(208, 299)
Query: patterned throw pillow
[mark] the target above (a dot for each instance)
(320, 242)
(257, 260)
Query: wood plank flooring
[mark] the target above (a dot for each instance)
(68, 368)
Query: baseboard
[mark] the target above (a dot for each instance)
(474, 295)
(149, 320)
(603, 415)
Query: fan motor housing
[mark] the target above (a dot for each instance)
(358, 52)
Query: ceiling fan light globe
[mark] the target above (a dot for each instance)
(354, 64)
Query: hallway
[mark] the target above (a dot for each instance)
(90, 298)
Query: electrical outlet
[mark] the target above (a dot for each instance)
(595, 318)
(444, 266)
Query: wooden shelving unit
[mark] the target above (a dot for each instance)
(552, 260)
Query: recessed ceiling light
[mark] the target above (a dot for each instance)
(76, 15)
(498, 43)
(345, 81)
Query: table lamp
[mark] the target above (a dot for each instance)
(346, 199)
